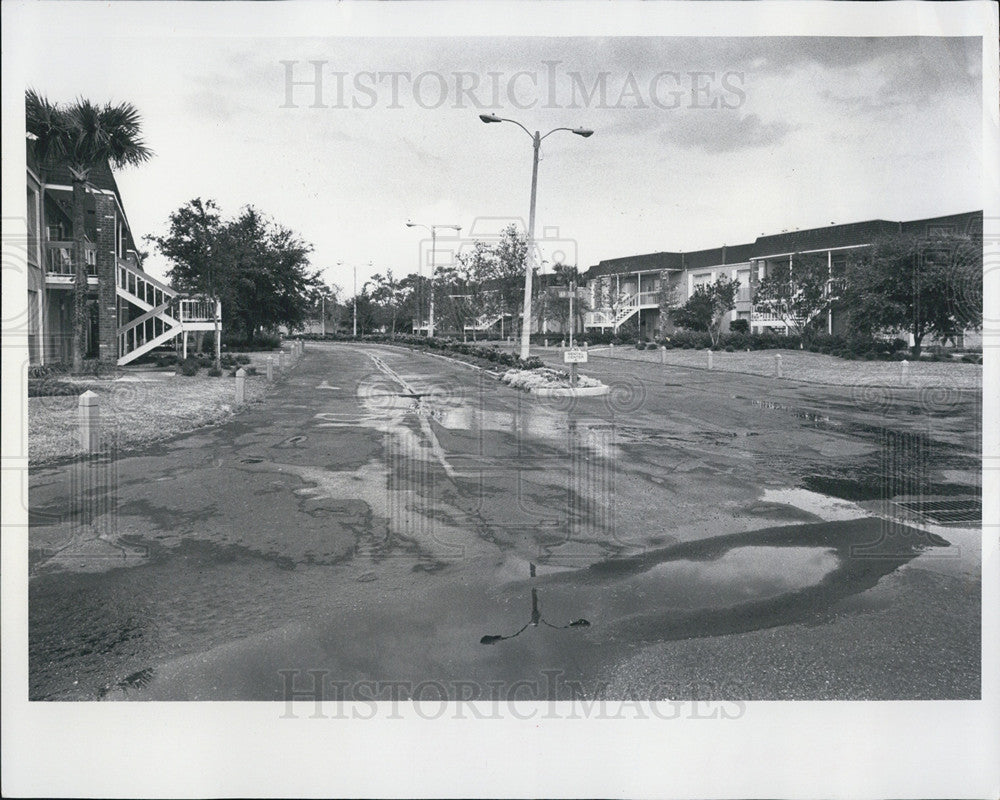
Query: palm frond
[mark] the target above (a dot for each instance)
(48, 123)
(106, 134)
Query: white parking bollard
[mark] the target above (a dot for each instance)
(663, 354)
(241, 379)
(710, 358)
(281, 360)
(777, 365)
(89, 410)
(611, 349)
(904, 370)
(270, 368)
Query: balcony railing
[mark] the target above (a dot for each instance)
(197, 309)
(649, 299)
(59, 258)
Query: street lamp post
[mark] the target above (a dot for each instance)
(433, 230)
(536, 142)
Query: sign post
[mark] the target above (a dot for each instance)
(572, 355)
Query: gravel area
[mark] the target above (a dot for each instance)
(139, 407)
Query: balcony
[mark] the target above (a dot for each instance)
(59, 266)
(197, 309)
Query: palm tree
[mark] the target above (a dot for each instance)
(83, 136)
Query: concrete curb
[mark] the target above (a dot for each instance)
(565, 391)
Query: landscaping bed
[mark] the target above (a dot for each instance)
(137, 407)
(547, 381)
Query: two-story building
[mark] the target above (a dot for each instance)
(638, 290)
(129, 312)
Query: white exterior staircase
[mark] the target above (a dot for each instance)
(614, 318)
(165, 313)
(485, 322)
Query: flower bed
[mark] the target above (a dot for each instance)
(546, 378)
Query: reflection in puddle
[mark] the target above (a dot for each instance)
(744, 573)
(535, 619)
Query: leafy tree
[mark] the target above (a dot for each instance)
(454, 292)
(666, 301)
(553, 308)
(796, 291)
(707, 306)
(504, 273)
(388, 294)
(256, 267)
(416, 292)
(192, 247)
(477, 267)
(324, 305)
(83, 136)
(923, 285)
(269, 273)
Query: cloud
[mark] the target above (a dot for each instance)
(725, 132)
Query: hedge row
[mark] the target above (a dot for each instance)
(493, 355)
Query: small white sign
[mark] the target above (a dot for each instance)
(575, 356)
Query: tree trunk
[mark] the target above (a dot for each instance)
(917, 339)
(79, 273)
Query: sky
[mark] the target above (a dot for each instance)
(697, 142)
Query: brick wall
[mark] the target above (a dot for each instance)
(106, 212)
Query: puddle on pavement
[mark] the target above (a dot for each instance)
(239, 618)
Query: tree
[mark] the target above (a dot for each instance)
(553, 308)
(707, 306)
(453, 292)
(83, 136)
(923, 285)
(666, 301)
(388, 294)
(505, 272)
(268, 271)
(796, 291)
(324, 305)
(192, 246)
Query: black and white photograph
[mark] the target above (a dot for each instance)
(515, 399)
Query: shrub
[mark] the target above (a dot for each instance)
(51, 387)
(739, 326)
(640, 345)
(215, 372)
(189, 368)
(729, 347)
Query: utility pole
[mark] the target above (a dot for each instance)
(433, 230)
(355, 301)
(572, 297)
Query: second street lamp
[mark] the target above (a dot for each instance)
(433, 230)
(536, 140)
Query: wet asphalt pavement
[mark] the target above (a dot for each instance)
(392, 522)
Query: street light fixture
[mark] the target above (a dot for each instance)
(536, 140)
(433, 230)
